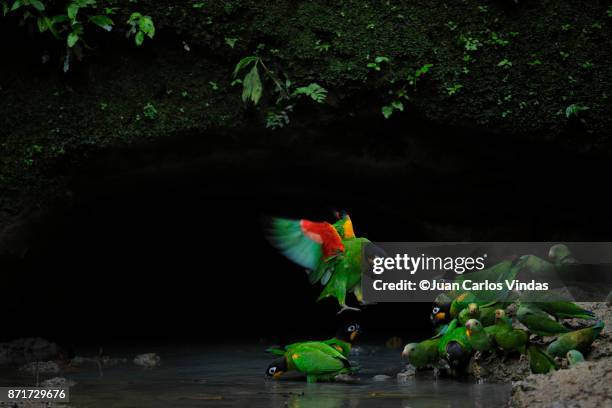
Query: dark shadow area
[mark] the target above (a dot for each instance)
(172, 246)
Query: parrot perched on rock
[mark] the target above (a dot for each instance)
(422, 354)
(470, 312)
(559, 259)
(579, 340)
(332, 255)
(318, 361)
(343, 341)
(540, 361)
(538, 321)
(477, 336)
(501, 272)
(574, 357)
(565, 310)
(505, 336)
(486, 315)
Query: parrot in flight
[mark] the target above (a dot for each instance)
(331, 253)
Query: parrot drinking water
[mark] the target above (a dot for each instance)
(454, 345)
(318, 361)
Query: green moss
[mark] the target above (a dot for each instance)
(101, 106)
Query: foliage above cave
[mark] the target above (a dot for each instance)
(529, 70)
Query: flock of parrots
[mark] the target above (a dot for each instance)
(466, 323)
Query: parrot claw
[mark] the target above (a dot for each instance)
(345, 307)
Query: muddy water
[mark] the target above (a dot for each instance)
(234, 377)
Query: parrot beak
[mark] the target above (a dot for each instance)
(277, 375)
(440, 316)
(354, 335)
(468, 332)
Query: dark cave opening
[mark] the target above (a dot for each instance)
(173, 248)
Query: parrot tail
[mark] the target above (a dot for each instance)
(598, 328)
(276, 351)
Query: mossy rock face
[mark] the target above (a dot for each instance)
(499, 67)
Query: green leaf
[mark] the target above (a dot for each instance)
(5, 8)
(423, 70)
(243, 63)
(139, 38)
(574, 110)
(37, 5)
(72, 11)
(252, 88)
(398, 105)
(42, 23)
(16, 5)
(134, 17)
(231, 41)
(315, 91)
(72, 39)
(146, 26)
(387, 111)
(61, 18)
(102, 21)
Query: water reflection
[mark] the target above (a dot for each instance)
(232, 378)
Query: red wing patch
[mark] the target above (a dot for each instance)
(325, 234)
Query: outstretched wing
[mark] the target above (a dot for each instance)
(306, 243)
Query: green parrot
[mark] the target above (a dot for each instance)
(505, 336)
(499, 273)
(343, 341)
(331, 258)
(560, 258)
(487, 314)
(538, 322)
(461, 302)
(562, 309)
(422, 354)
(574, 357)
(470, 312)
(484, 314)
(579, 340)
(454, 345)
(477, 336)
(318, 361)
(501, 323)
(540, 361)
